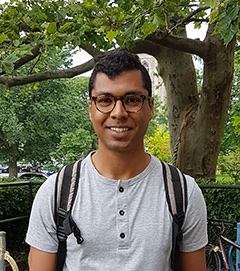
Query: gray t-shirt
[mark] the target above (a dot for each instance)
(123, 229)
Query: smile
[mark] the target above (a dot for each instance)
(119, 130)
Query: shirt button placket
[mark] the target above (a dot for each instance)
(122, 216)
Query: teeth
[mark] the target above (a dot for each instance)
(119, 130)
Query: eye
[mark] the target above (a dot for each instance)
(104, 100)
(133, 99)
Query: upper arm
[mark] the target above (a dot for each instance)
(193, 260)
(40, 260)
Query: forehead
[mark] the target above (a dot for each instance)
(127, 81)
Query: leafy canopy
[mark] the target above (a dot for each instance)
(35, 119)
(35, 29)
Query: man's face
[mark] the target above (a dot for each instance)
(119, 130)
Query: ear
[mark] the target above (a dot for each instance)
(151, 105)
(90, 109)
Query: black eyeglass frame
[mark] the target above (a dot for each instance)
(144, 97)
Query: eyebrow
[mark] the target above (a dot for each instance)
(126, 93)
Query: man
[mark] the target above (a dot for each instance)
(121, 206)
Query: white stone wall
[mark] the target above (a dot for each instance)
(150, 64)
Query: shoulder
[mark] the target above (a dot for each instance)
(48, 185)
(193, 189)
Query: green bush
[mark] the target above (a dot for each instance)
(230, 165)
(223, 204)
(14, 202)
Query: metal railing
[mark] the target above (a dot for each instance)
(218, 186)
(5, 255)
(2, 250)
(30, 185)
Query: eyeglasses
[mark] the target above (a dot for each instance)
(132, 103)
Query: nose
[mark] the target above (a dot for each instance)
(119, 111)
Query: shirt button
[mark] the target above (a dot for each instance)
(121, 189)
(121, 212)
(122, 235)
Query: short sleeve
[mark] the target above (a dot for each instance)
(41, 232)
(195, 223)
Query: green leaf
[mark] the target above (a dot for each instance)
(148, 28)
(7, 67)
(111, 35)
(36, 70)
(16, 43)
(8, 63)
(65, 26)
(227, 22)
(236, 121)
(157, 21)
(3, 37)
(213, 16)
(8, 93)
(52, 28)
(36, 85)
(129, 32)
(211, 3)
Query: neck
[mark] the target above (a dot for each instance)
(120, 166)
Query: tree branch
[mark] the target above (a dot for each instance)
(184, 21)
(91, 50)
(183, 44)
(147, 47)
(38, 77)
(22, 61)
(35, 52)
(195, 20)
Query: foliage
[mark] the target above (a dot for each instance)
(35, 119)
(32, 32)
(199, 72)
(74, 145)
(159, 116)
(222, 204)
(236, 123)
(158, 144)
(230, 164)
(228, 20)
(39, 28)
(14, 203)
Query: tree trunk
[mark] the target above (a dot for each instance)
(202, 132)
(177, 71)
(196, 121)
(14, 154)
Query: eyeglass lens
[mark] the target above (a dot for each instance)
(131, 102)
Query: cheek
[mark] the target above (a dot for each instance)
(97, 119)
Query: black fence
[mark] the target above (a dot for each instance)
(32, 183)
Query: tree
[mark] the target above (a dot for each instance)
(32, 121)
(73, 146)
(32, 30)
(159, 144)
(159, 117)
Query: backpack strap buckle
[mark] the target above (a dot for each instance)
(70, 227)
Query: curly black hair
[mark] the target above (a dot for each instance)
(117, 62)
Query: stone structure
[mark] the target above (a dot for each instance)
(150, 64)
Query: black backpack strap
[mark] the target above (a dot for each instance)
(65, 193)
(176, 194)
